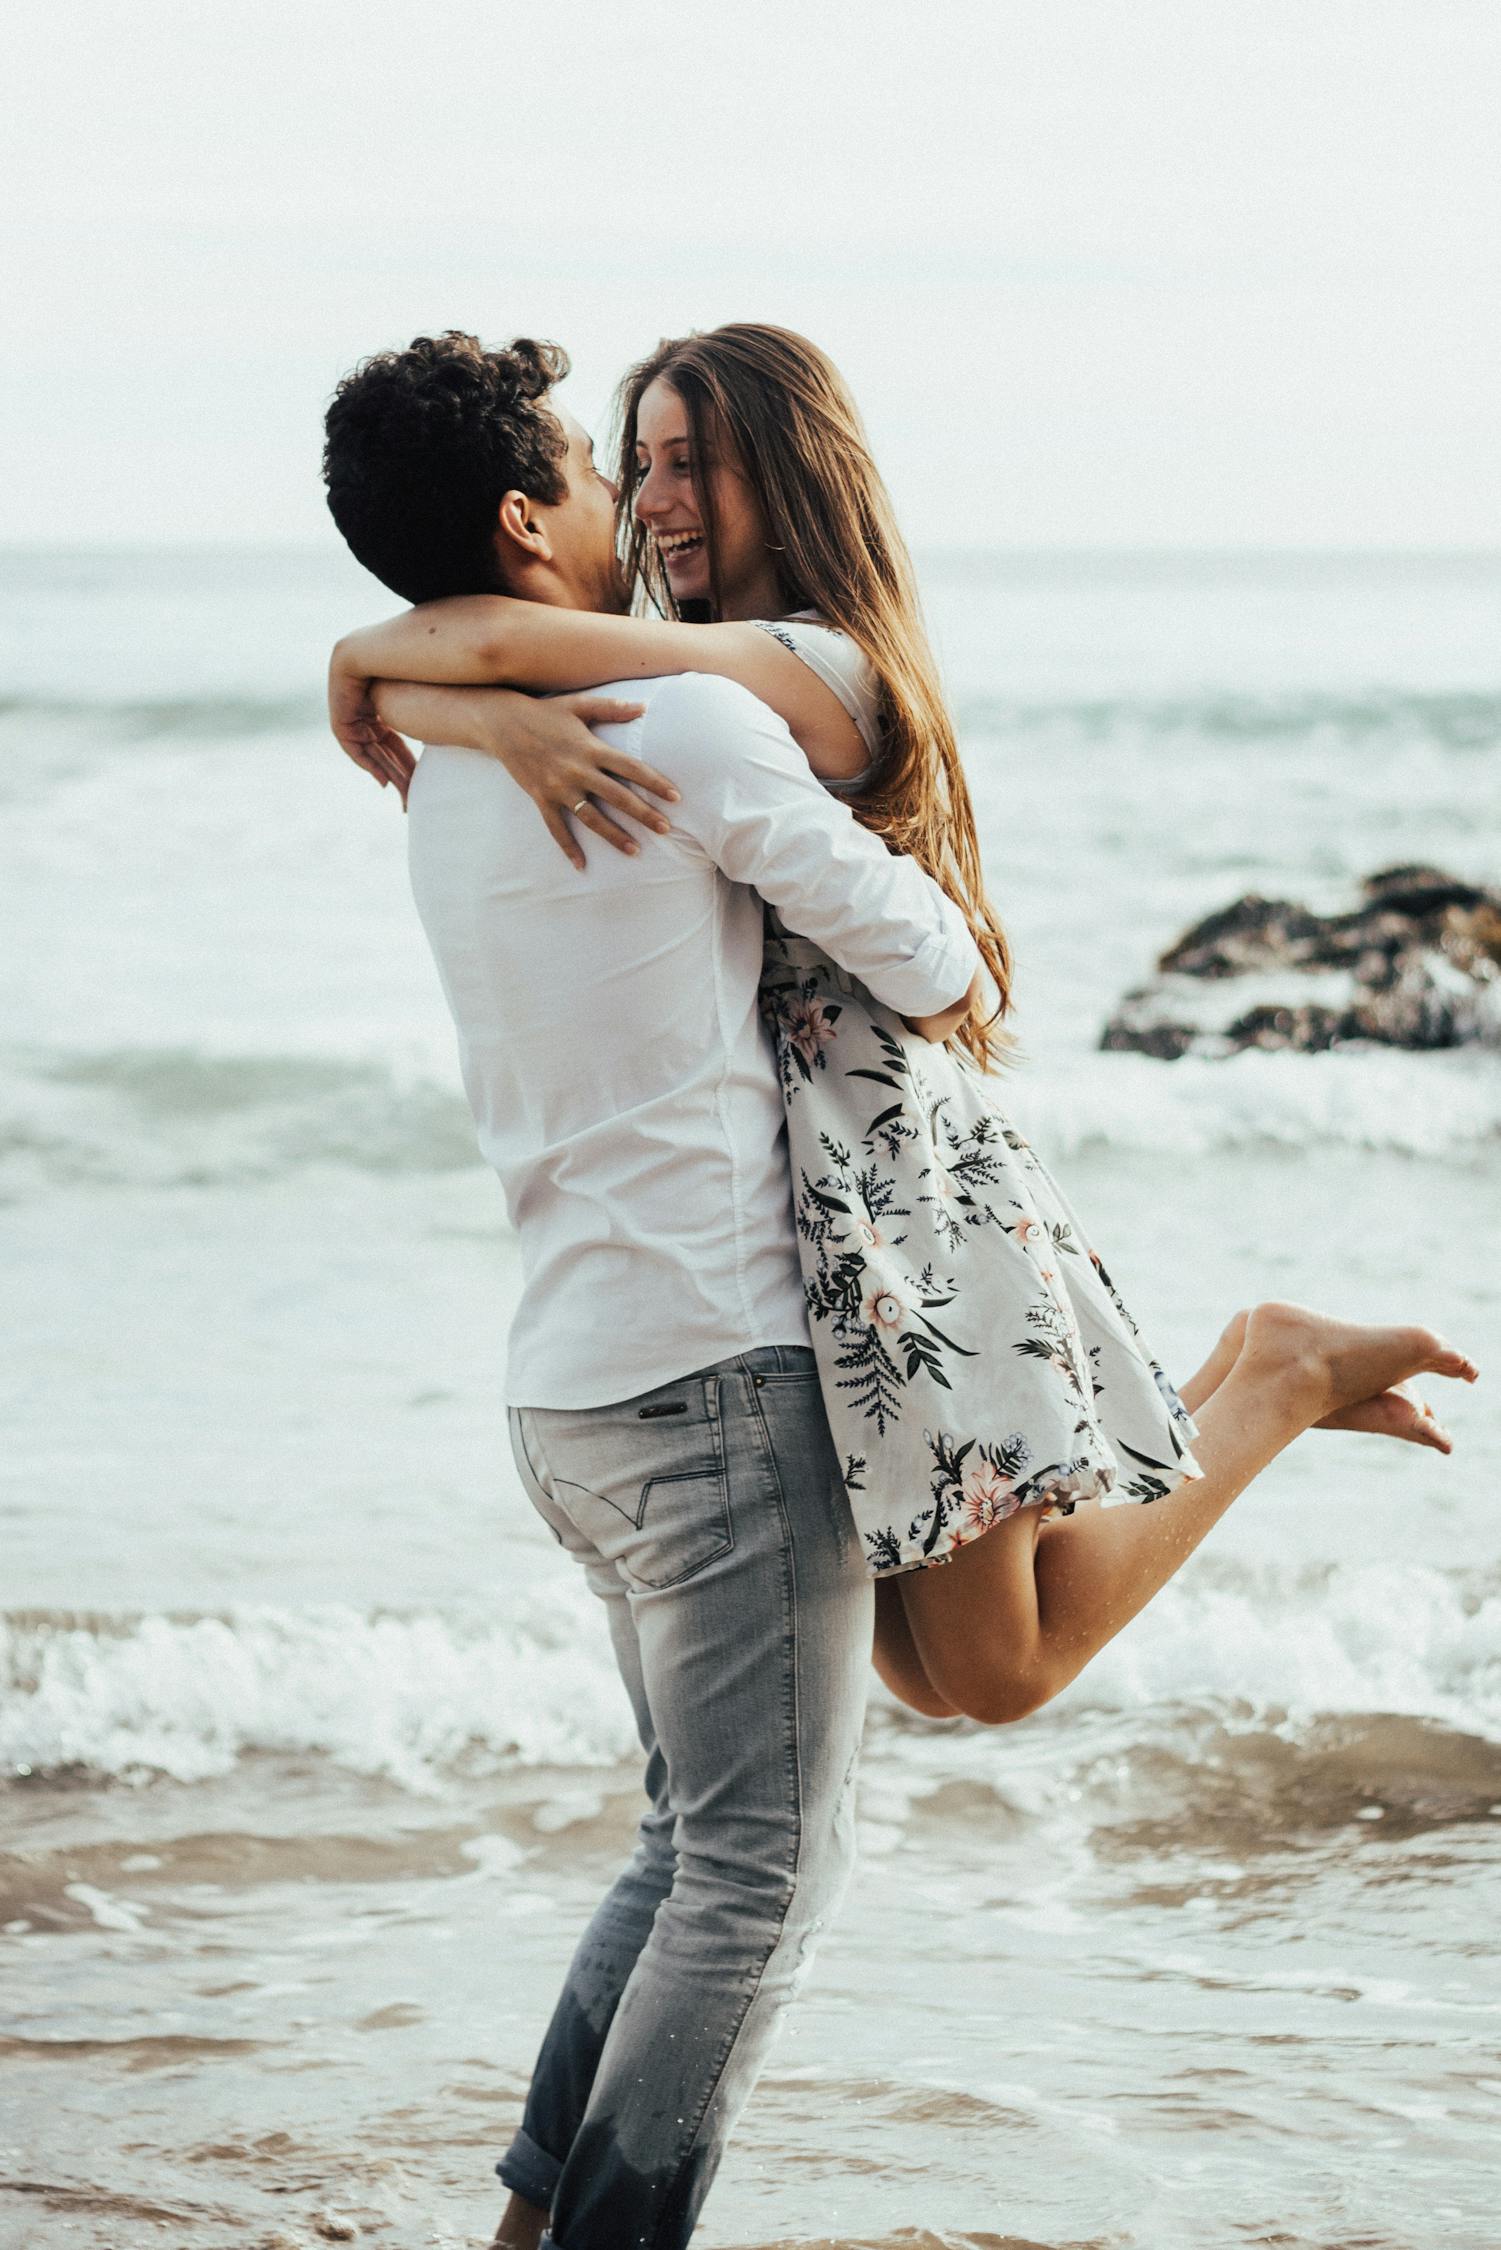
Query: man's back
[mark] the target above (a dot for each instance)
(622, 1082)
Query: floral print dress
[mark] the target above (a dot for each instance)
(973, 1354)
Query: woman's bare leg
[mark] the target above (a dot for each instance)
(894, 1653)
(1393, 1413)
(1206, 1380)
(1018, 1613)
(896, 1660)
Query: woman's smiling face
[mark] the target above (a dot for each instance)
(666, 502)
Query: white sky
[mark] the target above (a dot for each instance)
(1101, 272)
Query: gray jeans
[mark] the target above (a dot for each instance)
(710, 1518)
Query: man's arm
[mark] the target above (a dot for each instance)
(751, 804)
(947, 1021)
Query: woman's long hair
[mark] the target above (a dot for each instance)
(785, 409)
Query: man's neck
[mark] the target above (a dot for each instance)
(541, 584)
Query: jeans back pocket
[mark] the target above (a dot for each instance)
(643, 1482)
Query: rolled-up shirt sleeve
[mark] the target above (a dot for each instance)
(751, 802)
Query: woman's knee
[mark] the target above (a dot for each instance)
(994, 1694)
(909, 1683)
(922, 1697)
(894, 1655)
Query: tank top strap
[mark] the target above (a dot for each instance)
(844, 668)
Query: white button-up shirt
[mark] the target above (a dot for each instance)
(623, 1083)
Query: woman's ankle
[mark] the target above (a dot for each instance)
(1284, 1347)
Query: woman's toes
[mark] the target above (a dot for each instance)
(1395, 1414)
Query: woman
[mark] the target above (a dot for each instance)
(981, 1375)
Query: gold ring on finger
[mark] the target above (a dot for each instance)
(581, 804)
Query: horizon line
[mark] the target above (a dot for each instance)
(957, 550)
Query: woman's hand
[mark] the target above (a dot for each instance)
(360, 732)
(546, 744)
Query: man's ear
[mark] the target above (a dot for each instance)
(520, 536)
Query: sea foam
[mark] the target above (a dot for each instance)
(530, 1681)
(404, 1696)
(1446, 1104)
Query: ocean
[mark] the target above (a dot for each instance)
(312, 1756)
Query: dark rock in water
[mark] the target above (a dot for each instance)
(1416, 964)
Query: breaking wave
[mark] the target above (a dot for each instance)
(526, 1678)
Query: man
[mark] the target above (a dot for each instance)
(662, 1396)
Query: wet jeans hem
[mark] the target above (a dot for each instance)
(528, 2171)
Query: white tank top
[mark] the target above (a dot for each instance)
(844, 667)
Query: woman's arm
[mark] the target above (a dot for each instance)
(481, 639)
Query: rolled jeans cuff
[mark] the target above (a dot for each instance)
(527, 2170)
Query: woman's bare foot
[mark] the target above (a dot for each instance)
(1397, 1413)
(1335, 1367)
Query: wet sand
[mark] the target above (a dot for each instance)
(1230, 1988)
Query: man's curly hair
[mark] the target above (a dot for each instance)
(420, 447)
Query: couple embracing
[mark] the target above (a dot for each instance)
(813, 1363)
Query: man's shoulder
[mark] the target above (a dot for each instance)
(680, 703)
(687, 711)
(700, 729)
(683, 696)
